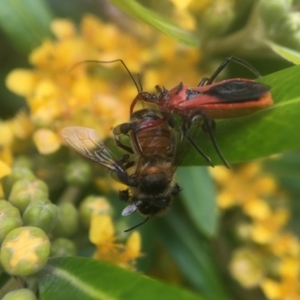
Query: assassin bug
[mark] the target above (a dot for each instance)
(208, 101)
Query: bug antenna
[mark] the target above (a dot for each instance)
(140, 83)
(138, 225)
(107, 62)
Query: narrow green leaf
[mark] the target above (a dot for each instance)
(79, 278)
(287, 169)
(148, 16)
(272, 130)
(25, 22)
(288, 54)
(192, 252)
(199, 198)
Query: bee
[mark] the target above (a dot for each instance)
(149, 175)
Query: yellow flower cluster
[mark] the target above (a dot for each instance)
(18, 128)
(60, 93)
(269, 256)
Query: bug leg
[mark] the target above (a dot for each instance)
(135, 100)
(203, 81)
(185, 130)
(206, 81)
(209, 126)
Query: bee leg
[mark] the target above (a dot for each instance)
(119, 130)
(124, 195)
(176, 190)
(123, 159)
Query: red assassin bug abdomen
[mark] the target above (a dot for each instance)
(226, 99)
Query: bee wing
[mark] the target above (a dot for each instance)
(87, 142)
(128, 210)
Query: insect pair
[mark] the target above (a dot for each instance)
(149, 172)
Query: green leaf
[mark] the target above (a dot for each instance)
(287, 169)
(288, 54)
(25, 22)
(269, 131)
(193, 253)
(199, 198)
(79, 278)
(148, 16)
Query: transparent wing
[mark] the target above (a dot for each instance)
(128, 210)
(87, 142)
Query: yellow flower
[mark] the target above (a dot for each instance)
(271, 289)
(285, 244)
(276, 251)
(102, 230)
(257, 208)
(284, 290)
(63, 29)
(132, 247)
(6, 155)
(4, 169)
(21, 82)
(108, 184)
(290, 268)
(181, 4)
(46, 141)
(6, 134)
(18, 127)
(21, 125)
(102, 234)
(264, 231)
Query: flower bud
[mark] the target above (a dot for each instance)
(62, 247)
(24, 251)
(24, 191)
(273, 11)
(17, 174)
(67, 220)
(93, 205)
(21, 294)
(78, 173)
(243, 231)
(217, 18)
(40, 214)
(22, 161)
(9, 218)
(287, 30)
